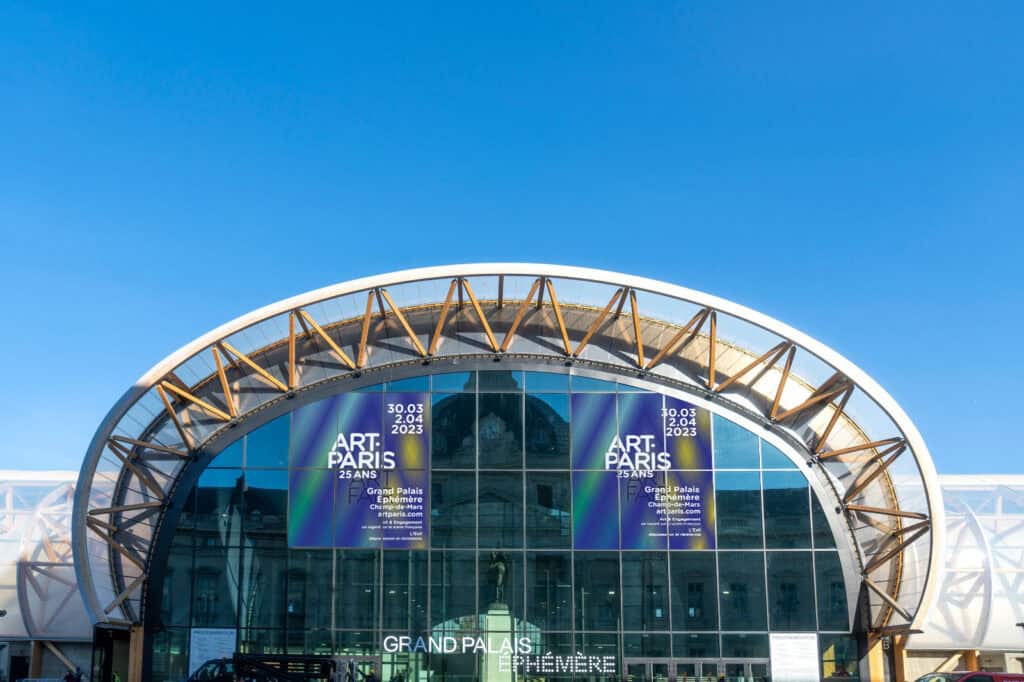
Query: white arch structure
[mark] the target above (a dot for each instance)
(859, 444)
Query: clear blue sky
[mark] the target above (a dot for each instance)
(854, 170)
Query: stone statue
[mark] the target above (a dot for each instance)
(497, 570)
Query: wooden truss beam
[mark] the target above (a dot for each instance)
(558, 317)
(292, 369)
(228, 348)
(840, 409)
(405, 323)
(887, 598)
(883, 460)
(900, 513)
(782, 383)
(712, 348)
(186, 439)
(140, 471)
(464, 283)
(365, 331)
(689, 331)
(121, 549)
(132, 586)
(225, 387)
(517, 320)
(436, 338)
(773, 353)
(198, 402)
(835, 385)
(335, 348)
(635, 311)
(879, 559)
(858, 448)
(150, 446)
(597, 323)
(124, 508)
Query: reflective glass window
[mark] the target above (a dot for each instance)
(501, 510)
(597, 590)
(646, 645)
(231, 456)
(735, 447)
(832, 605)
(356, 589)
(548, 513)
(588, 385)
(453, 382)
(839, 658)
(547, 431)
(547, 382)
(453, 431)
(218, 515)
(773, 458)
(500, 580)
(738, 509)
(506, 381)
(645, 591)
(745, 646)
(741, 590)
(695, 645)
(411, 385)
(404, 591)
(822, 532)
(266, 506)
(791, 591)
(264, 580)
(500, 430)
(310, 590)
(787, 518)
(267, 446)
(549, 590)
(176, 601)
(452, 590)
(452, 509)
(694, 591)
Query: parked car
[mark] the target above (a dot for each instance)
(216, 670)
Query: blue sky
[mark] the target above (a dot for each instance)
(854, 170)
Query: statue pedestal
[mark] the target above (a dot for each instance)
(498, 624)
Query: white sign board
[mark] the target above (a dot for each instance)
(794, 657)
(208, 643)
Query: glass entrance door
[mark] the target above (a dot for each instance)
(696, 671)
(647, 670)
(745, 670)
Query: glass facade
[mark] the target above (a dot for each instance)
(506, 558)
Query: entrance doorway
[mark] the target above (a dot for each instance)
(357, 668)
(696, 670)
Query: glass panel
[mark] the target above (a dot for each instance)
(791, 591)
(452, 509)
(741, 589)
(263, 588)
(218, 516)
(500, 430)
(170, 654)
(588, 385)
(452, 591)
(501, 510)
(694, 602)
(356, 585)
(547, 431)
(453, 431)
(695, 645)
(252, 641)
(745, 646)
(267, 446)
(501, 381)
(549, 590)
(412, 385)
(266, 507)
(405, 590)
(645, 591)
(177, 587)
(787, 520)
(822, 533)
(310, 590)
(839, 660)
(547, 382)
(735, 447)
(832, 606)
(500, 577)
(738, 497)
(643, 644)
(548, 514)
(773, 458)
(597, 590)
(453, 382)
(231, 456)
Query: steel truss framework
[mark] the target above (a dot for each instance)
(855, 438)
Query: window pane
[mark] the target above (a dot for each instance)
(500, 577)
(588, 385)
(694, 601)
(695, 645)
(655, 646)
(453, 509)
(218, 516)
(548, 517)
(231, 456)
(453, 382)
(500, 430)
(356, 586)
(745, 646)
(501, 510)
(547, 382)
(452, 589)
(738, 497)
(267, 446)
(791, 591)
(787, 518)
(645, 591)
(310, 589)
(597, 591)
(839, 659)
(735, 447)
(411, 385)
(549, 590)
(405, 590)
(741, 590)
(832, 611)
(501, 381)
(772, 458)
(453, 431)
(822, 533)
(177, 587)
(266, 507)
(547, 431)
(263, 588)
